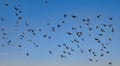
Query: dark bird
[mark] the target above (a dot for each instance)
(100, 34)
(98, 16)
(107, 52)
(90, 59)
(36, 45)
(16, 8)
(2, 29)
(69, 53)
(6, 4)
(58, 25)
(81, 50)
(110, 25)
(19, 45)
(46, 1)
(110, 63)
(110, 39)
(96, 27)
(40, 29)
(26, 24)
(83, 20)
(44, 36)
(90, 29)
(49, 37)
(75, 40)
(19, 17)
(73, 16)
(59, 45)
(78, 46)
(102, 55)
(69, 33)
(104, 25)
(1, 18)
(90, 50)
(64, 52)
(27, 54)
(110, 18)
(63, 22)
(88, 20)
(112, 30)
(67, 47)
(53, 29)
(62, 56)
(73, 28)
(72, 49)
(65, 15)
(79, 34)
(16, 14)
(102, 30)
(50, 52)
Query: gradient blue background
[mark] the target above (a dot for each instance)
(37, 14)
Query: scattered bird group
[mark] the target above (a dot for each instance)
(75, 31)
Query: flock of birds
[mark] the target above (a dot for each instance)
(77, 31)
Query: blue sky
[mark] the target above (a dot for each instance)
(37, 14)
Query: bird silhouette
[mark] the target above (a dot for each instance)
(69, 33)
(65, 15)
(50, 52)
(73, 16)
(98, 16)
(27, 54)
(6, 4)
(110, 63)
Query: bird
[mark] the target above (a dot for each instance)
(69, 33)
(40, 29)
(59, 45)
(27, 54)
(83, 20)
(73, 28)
(110, 18)
(100, 34)
(50, 52)
(44, 35)
(63, 22)
(110, 39)
(53, 29)
(46, 1)
(102, 55)
(65, 15)
(90, 50)
(79, 34)
(107, 52)
(96, 27)
(19, 45)
(73, 16)
(36, 45)
(98, 16)
(26, 24)
(62, 56)
(110, 63)
(104, 25)
(1, 18)
(112, 30)
(102, 30)
(69, 53)
(6, 4)
(72, 49)
(58, 25)
(16, 8)
(49, 37)
(90, 59)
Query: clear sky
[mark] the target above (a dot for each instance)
(38, 14)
